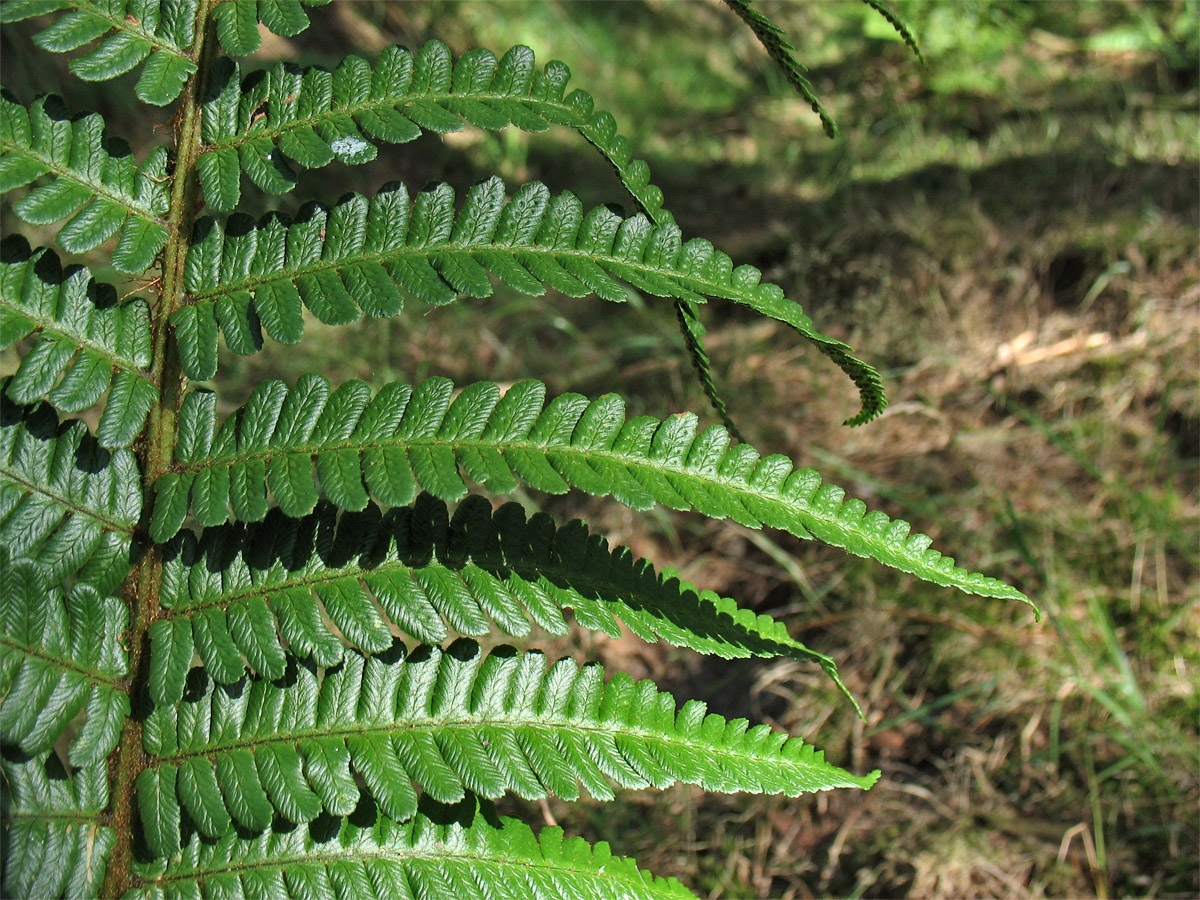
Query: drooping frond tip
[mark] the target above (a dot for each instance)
(779, 48)
(450, 722)
(896, 22)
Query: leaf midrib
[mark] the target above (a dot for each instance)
(254, 282)
(123, 25)
(256, 132)
(84, 343)
(94, 676)
(470, 723)
(434, 851)
(898, 557)
(68, 505)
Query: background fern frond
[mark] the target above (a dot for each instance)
(95, 182)
(897, 23)
(85, 336)
(406, 439)
(442, 852)
(58, 656)
(56, 840)
(774, 40)
(248, 277)
(431, 573)
(451, 722)
(65, 503)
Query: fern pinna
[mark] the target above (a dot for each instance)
(238, 651)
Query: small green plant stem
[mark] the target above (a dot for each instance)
(155, 451)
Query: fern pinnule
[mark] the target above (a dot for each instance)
(60, 650)
(444, 851)
(58, 837)
(94, 181)
(452, 722)
(362, 256)
(237, 590)
(66, 503)
(88, 342)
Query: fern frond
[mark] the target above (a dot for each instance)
(158, 33)
(779, 48)
(85, 336)
(406, 439)
(430, 573)
(95, 181)
(65, 503)
(443, 852)
(313, 116)
(59, 655)
(358, 256)
(451, 722)
(57, 842)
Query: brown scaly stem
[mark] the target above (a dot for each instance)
(154, 451)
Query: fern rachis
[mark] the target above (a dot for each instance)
(319, 549)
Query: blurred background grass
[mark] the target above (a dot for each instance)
(1010, 235)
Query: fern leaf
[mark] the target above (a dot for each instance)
(781, 51)
(95, 183)
(65, 503)
(56, 840)
(452, 722)
(443, 852)
(85, 336)
(158, 33)
(58, 656)
(313, 116)
(431, 573)
(403, 443)
(362, 256)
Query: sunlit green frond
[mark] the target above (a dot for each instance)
(431, 573)
(55, 842)
(85, 338)
(59, 655)
(65, 503)
(403, 440)
(444, 853)
(94, 181)
(452, 722)
(359, 256)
